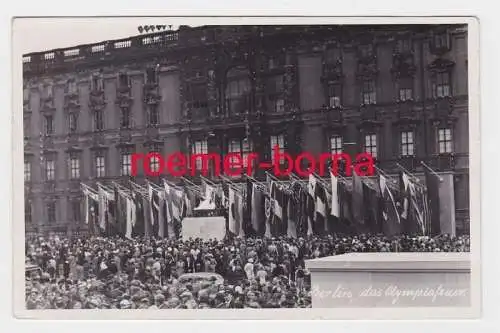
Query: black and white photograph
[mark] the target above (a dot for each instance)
(206, 165)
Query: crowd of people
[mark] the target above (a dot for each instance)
(117, 273)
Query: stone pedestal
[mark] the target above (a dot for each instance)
(373, 280)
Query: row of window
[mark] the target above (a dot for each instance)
(50, 212)
(407, 143)
(368, 96)
(244, 147)
(98, 120)
(97, 83)
(440, 88)
(237, 100)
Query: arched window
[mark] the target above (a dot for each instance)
(238, 89)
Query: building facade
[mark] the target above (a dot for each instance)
(397, 92)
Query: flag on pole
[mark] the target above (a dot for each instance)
(239, 212)
(321, 218)
(268, 213)
(432, 183)
(345, 203)
(161, 214)
(168, 211)
(234, 226)
(291, 230)
(177, 197)
(372, 209)
(405, 193)
(208, 202)
(357, 200)
(416, 220)
(138, 226)
(130, 212)
(89, 196)
(390, 214)
(311, 203)
(258, 214)
(103, 207)
(335, 205)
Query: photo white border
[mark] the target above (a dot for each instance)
(302, 314)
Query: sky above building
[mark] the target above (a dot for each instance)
(38, 35)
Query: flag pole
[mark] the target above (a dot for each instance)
(138, 188)
(408, 172)
(154, 186)
(238, 191)
(385, 174)
(325, 183)
(432, 171)
(272, 177)
(105, 187)
(190, 182)
(121, 189)
(208, 181)
(88, 188)
(192, 186)
(230, 182)
(257, 184)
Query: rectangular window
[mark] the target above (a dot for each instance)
(50, 169)
(75, 211)
(407, 144)
(154, 162)
(73, 122)
(126, 163)
(242, 147)
(100, 165)
(441, 40)
(277, 140)
(334, 95)
(279, 105)
(199, 147)
(125, 118)
(371, 144)
(72, 87)
(154, 116)
(336, 144)
(49, 125)
(51, 212)
(368, 94)
(96, 84)
(98, 120)
(445, 141)
(237, 95)
(27, 171)
(74, 166)
(123, 80)
(198, 96)
(442, 85)
(151, 76)
(405, 94)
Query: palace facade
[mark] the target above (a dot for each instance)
(397, 92)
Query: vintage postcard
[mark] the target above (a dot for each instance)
(263, 168)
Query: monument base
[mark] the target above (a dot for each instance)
(425, 279)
